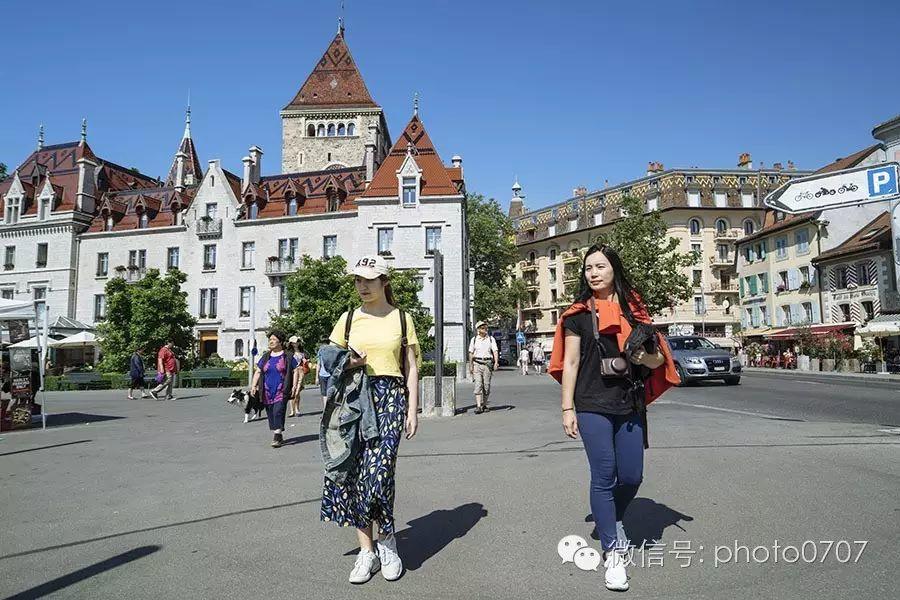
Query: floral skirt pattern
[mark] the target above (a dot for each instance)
(368, 493)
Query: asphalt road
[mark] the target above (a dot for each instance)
(182, 500)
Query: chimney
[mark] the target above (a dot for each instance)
(456, 161)
(179, 171)
(371, 144)
(744, 161)
(256, 156)
(778, 166)
(579, 192)
(248, 172)
(791, 166)
(654, 167)
(86, 196)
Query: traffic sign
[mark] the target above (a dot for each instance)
(850, 187)
(520, 337)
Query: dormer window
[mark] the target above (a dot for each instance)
(176, 214)
(143, 220)
(410, 193)
(13, 206)
(292, 207)
(253, 211)
(44, 208)
(108, 223)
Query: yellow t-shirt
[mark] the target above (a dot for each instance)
(379, 338)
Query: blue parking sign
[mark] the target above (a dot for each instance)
(882, 181)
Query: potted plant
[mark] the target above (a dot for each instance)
(205, 219)
(9, 266)
(120, 268)
(805, 286)
(209, 266)
(780, 288)
(272, 259)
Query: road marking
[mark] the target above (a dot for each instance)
(731, 410)
(895, 430)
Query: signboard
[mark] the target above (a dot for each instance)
(20, 371)
(895, 227)
(18, 331)
(850, 187)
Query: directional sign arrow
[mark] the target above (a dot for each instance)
(850, 187)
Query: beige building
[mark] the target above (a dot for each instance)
(707, 210)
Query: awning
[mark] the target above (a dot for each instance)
(794, 332)
(79, 340)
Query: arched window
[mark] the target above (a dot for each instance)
(292, 207)
(238, 348)
(351, 129)
(342, 131)
(331, 130)
(531, 258)
(695, 226)
(311, 130)
(721, 226)
(320, 132)
(749, 227)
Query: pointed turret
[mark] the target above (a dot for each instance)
(185, 169)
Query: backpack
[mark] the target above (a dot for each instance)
(403, 341)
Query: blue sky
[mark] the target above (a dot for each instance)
(561, 94)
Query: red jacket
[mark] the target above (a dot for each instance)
(611, 321)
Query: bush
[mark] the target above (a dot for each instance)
(427, 369)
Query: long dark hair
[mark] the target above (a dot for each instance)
(625, 292)
(388, 292)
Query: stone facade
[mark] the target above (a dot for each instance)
(303, 152)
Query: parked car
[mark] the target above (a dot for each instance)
(698, 359)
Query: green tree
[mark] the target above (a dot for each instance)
(147, 314)
(651, 257)
(3, 174)
(492, 254)
(320, 290)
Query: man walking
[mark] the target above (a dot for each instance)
(167, 364)
(483, 359)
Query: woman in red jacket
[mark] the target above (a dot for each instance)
(606, 385)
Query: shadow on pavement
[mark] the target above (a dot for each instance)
(301, 439)
(646, 520)
(44, 447)
(65, 581)
(491, 408)
(428, 535)
(76, 418)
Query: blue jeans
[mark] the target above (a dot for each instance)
(615, 451)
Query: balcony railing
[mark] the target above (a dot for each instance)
(132, 274)
(728, 288)
(721, 261)
(729, 234)
(281, 266)
(570, 258)
(208, 228)
(528, 267)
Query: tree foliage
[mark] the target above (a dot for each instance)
(492, 254)
(321, 290)
(146, 314)
(651, 257)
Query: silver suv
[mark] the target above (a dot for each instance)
(698, 359)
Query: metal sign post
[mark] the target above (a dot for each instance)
(438, 325)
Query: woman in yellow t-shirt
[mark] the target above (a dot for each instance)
(367, 495)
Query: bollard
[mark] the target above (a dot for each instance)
(448, 396)
(427, 396)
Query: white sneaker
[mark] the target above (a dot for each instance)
(616, 577)
(391, 565)
(366, 565)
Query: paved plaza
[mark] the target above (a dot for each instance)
(180, 499)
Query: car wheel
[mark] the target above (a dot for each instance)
(732, 381)
(681, 376)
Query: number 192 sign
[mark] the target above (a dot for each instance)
(851, 187)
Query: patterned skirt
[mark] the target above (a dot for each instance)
(368, 492)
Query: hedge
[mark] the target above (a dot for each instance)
(427, 369)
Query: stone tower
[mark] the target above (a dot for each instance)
(333, 122)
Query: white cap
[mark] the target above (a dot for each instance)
(370, 267)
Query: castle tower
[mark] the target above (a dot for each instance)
(332, 118)
(185, 170)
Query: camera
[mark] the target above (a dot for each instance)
(613, 367)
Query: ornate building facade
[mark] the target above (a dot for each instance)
(707, 210)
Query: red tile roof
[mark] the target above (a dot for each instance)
(311, 189)
(191, 164)
(335, 81)
(437, 180)
(876, 235)
(848, 162)
(159, 203)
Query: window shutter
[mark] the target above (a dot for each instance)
(742, 287)
(796, 316)
(765, 283)
(779, 321)
(813, 276)
(793, 279)
(832, 279)
(817, 318)
(851, 275)
(753, 286)
(743, 317)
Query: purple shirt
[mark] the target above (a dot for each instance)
(273, 374)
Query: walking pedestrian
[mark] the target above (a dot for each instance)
(537, 357)
(280, 375)
(136, 373)
(611, 364)
(524, 360)
(483, 360)
(322, 374)
(382, 339)
(294, 347)
(167, 364)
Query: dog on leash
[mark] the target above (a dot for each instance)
(251, 403)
